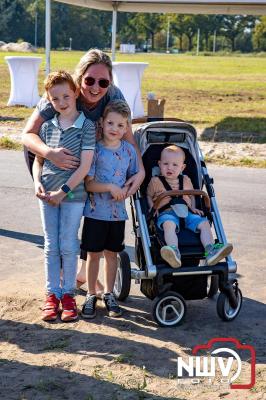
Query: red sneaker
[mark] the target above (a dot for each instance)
(51, 308)
(70, 311)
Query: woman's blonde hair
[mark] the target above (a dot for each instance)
(92, 57)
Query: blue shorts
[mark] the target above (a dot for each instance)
(192, 221)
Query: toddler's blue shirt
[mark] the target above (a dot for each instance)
(110, 166)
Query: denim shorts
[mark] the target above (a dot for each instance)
(192, 221)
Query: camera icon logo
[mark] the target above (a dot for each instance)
(237, 367)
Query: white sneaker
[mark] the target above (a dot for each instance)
(217, 252)
(171, 255)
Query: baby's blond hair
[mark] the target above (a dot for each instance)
(174, 149)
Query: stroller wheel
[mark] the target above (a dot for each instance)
(224, 309)
(212, 285)
(123, 276)
(169, 309)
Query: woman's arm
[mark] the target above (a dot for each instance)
(30, 135)
(60, 157)
(136, 180)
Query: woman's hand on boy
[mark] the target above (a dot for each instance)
(63, 158)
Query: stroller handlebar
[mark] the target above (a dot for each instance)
(172, 193)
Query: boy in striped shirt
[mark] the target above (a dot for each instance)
(61, 194)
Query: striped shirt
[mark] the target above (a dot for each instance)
(78, 137)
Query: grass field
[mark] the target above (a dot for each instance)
(223, 96)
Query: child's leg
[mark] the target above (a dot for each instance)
(110, 269)
(206, 236)
(170, 252)
(50, 222)
(93, 262)
(114, 244)
(82, 277)
(89, 307)
(170, 236)
(70, 218)
(214, 252)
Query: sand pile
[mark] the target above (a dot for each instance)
(23, 46)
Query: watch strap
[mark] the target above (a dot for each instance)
(66, 189)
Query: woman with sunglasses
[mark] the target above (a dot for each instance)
(93, 77)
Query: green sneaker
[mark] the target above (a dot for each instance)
(171, 255)
(216, 252)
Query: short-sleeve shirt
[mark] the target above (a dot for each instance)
(156, 187)
(47, 111)
(110, 166)
(78, 137)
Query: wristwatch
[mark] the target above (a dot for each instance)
(66, 189)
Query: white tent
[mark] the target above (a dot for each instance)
(245, 7)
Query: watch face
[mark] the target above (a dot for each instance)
(65, 188)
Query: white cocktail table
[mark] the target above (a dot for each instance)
(127, 76)
(24, 80)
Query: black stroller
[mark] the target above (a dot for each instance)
(168, 288)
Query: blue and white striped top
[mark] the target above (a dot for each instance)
(80, 136)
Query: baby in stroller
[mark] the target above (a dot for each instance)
(168, 288)
(170, 212)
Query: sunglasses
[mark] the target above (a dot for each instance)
(103, 83)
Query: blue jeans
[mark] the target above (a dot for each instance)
(61, 244)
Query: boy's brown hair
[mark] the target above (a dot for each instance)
(57, 78)
(119, 107)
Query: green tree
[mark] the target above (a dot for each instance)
(191, 28)
(178, 27)
(126, 29)
(259, 36)
(234, 25)
(15, 22)
(148, 24)
(208, 24)
(87, 28)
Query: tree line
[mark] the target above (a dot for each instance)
(83, 28)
